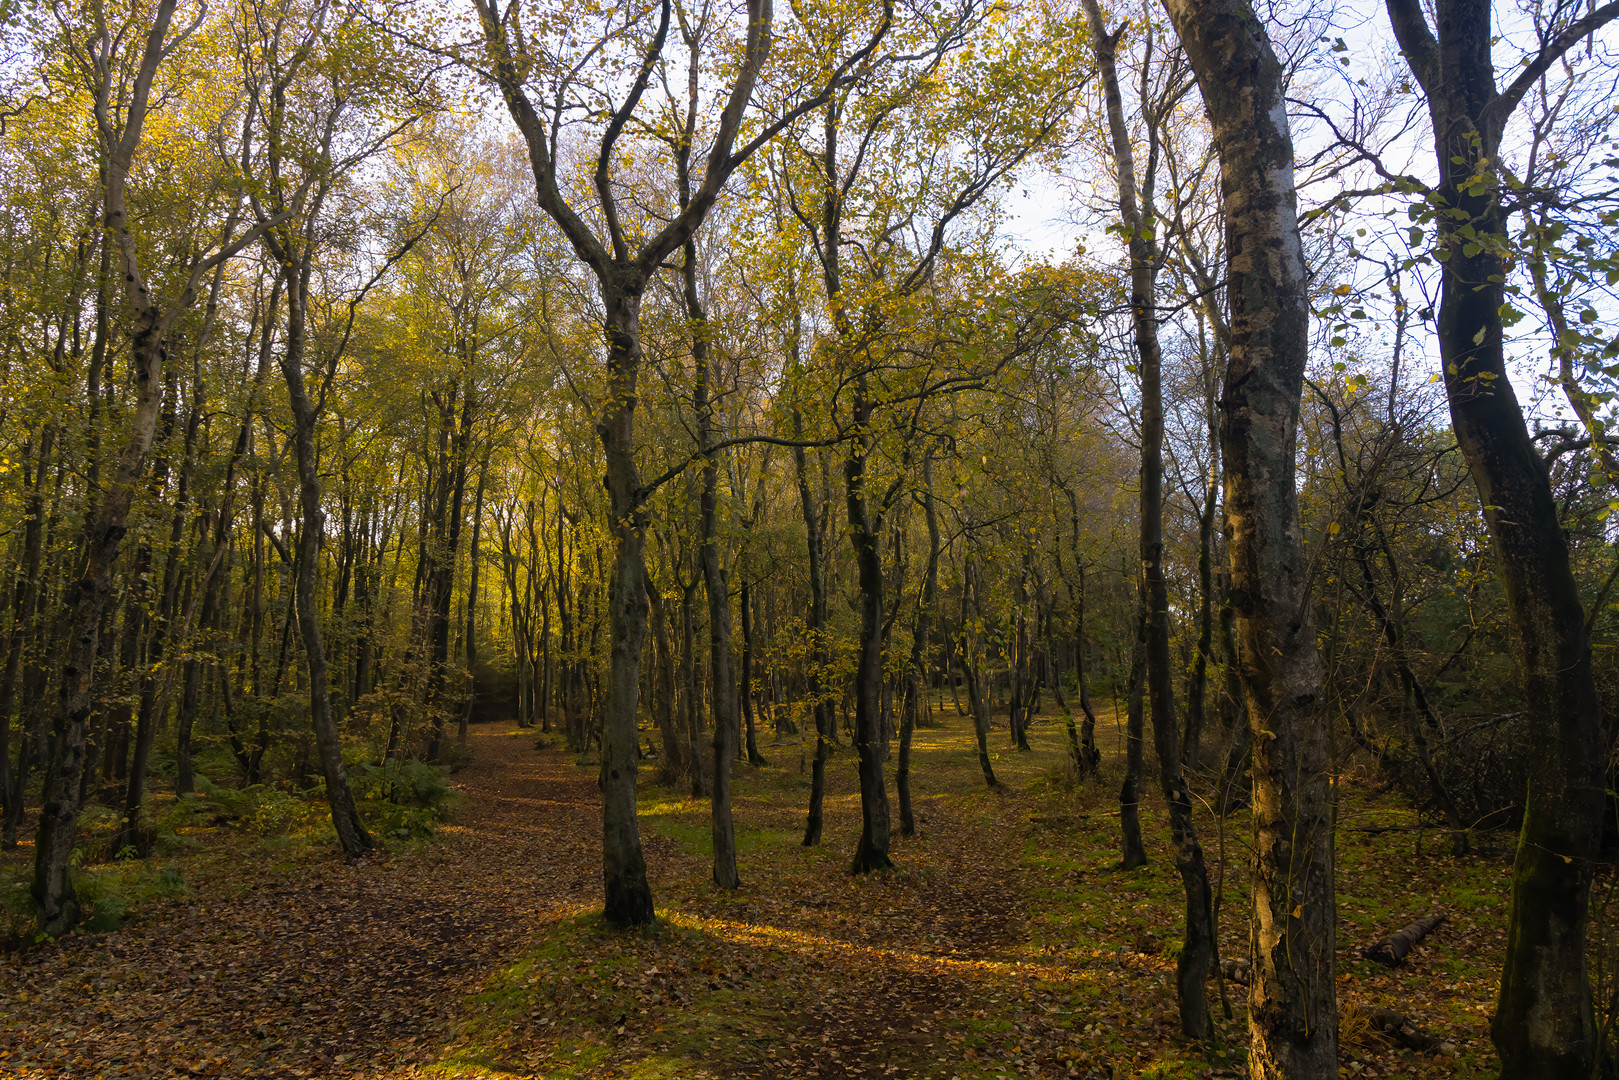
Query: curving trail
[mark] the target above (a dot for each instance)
(317, 968)
(345, 970)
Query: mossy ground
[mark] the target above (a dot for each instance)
(1005, 943)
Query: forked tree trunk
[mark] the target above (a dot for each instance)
(623, 276)
(1293, 1016)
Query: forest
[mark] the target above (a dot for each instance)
(675, 538)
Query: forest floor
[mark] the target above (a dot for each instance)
(1004, 944)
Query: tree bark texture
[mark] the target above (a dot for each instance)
(1544, 1022)
(1293, 1015)
(628, 896)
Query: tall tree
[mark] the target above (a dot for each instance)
(1137, 214)
(1544, 1025)
(310, 98)
(623, 262)
(1292, 1007)
(120, 113)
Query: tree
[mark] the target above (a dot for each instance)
(623, 262)
(302, 69)
(1139, 227)
(1544, 1025)
(887, 253)
(1292, 1008)
(120, 114)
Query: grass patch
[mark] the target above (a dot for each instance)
(1005, 943)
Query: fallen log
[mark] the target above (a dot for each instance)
(1397, 1029)
(1392, 950)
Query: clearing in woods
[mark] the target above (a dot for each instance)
(1004, 945)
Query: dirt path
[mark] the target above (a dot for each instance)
(346, 971)
(374, 969)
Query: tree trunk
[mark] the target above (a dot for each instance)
(1197, 686)
(628, 896)
(473, 563)
(23, 626)
(151, 699)
(921, 634)
(1134, 854)
(1197, 951)
(351, 832)
(446, 550)
(745, 682)
(691, 701)
(866, 540)
(1020, 668)
(717, 584)
(86, 598)
(54, 898)
(1090, 756)
(820, 704)
(971, 650)
(1544, 1022)
(1293, 1016)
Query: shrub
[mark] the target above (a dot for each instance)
(255, 808)
(409, 797)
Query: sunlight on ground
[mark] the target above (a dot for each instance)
(780, 938)
(1004, 944)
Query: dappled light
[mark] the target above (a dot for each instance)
(938, 539)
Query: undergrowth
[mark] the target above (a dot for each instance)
(400, 801)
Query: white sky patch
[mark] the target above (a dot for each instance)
(1041, 221)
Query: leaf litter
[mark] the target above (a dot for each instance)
(1004, 944)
